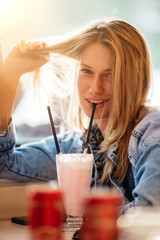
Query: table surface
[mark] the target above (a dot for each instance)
(9, 230)
(12, 231)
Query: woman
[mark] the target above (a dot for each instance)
(113, 72)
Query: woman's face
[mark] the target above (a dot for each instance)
(95, 80)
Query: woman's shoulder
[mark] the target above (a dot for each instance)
(150, 122)
(145, 135)
(147, 130)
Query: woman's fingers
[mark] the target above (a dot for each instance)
(26, 46)
(25, 57)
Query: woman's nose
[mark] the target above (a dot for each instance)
(96, 85)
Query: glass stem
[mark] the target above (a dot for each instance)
(74, 221)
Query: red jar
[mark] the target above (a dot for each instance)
(46, 212)
(101, 215)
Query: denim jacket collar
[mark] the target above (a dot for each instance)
(113, 152)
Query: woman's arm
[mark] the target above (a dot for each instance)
(34, 161)
(147, 177)
(21, 59)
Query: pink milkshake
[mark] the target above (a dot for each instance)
(74, 177)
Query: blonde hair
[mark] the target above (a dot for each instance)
(130, 80)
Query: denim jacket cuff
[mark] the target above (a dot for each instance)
(7, 140)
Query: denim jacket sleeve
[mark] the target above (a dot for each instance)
(144, 155)
(34, 161)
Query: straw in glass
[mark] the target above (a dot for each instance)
(53, 130)
(90, 126)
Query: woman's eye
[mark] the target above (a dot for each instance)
(108, 75)
(84, 70)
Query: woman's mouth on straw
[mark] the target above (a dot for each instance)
(98, 101)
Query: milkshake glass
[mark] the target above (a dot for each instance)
(74, 177)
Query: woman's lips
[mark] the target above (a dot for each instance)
(99, 103)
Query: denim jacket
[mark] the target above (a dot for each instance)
(36, 161)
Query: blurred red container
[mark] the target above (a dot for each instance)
(101, 215)
(46, 212)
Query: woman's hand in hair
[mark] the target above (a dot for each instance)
(25, 57)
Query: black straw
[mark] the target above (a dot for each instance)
(53, 130)
(90, 124)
